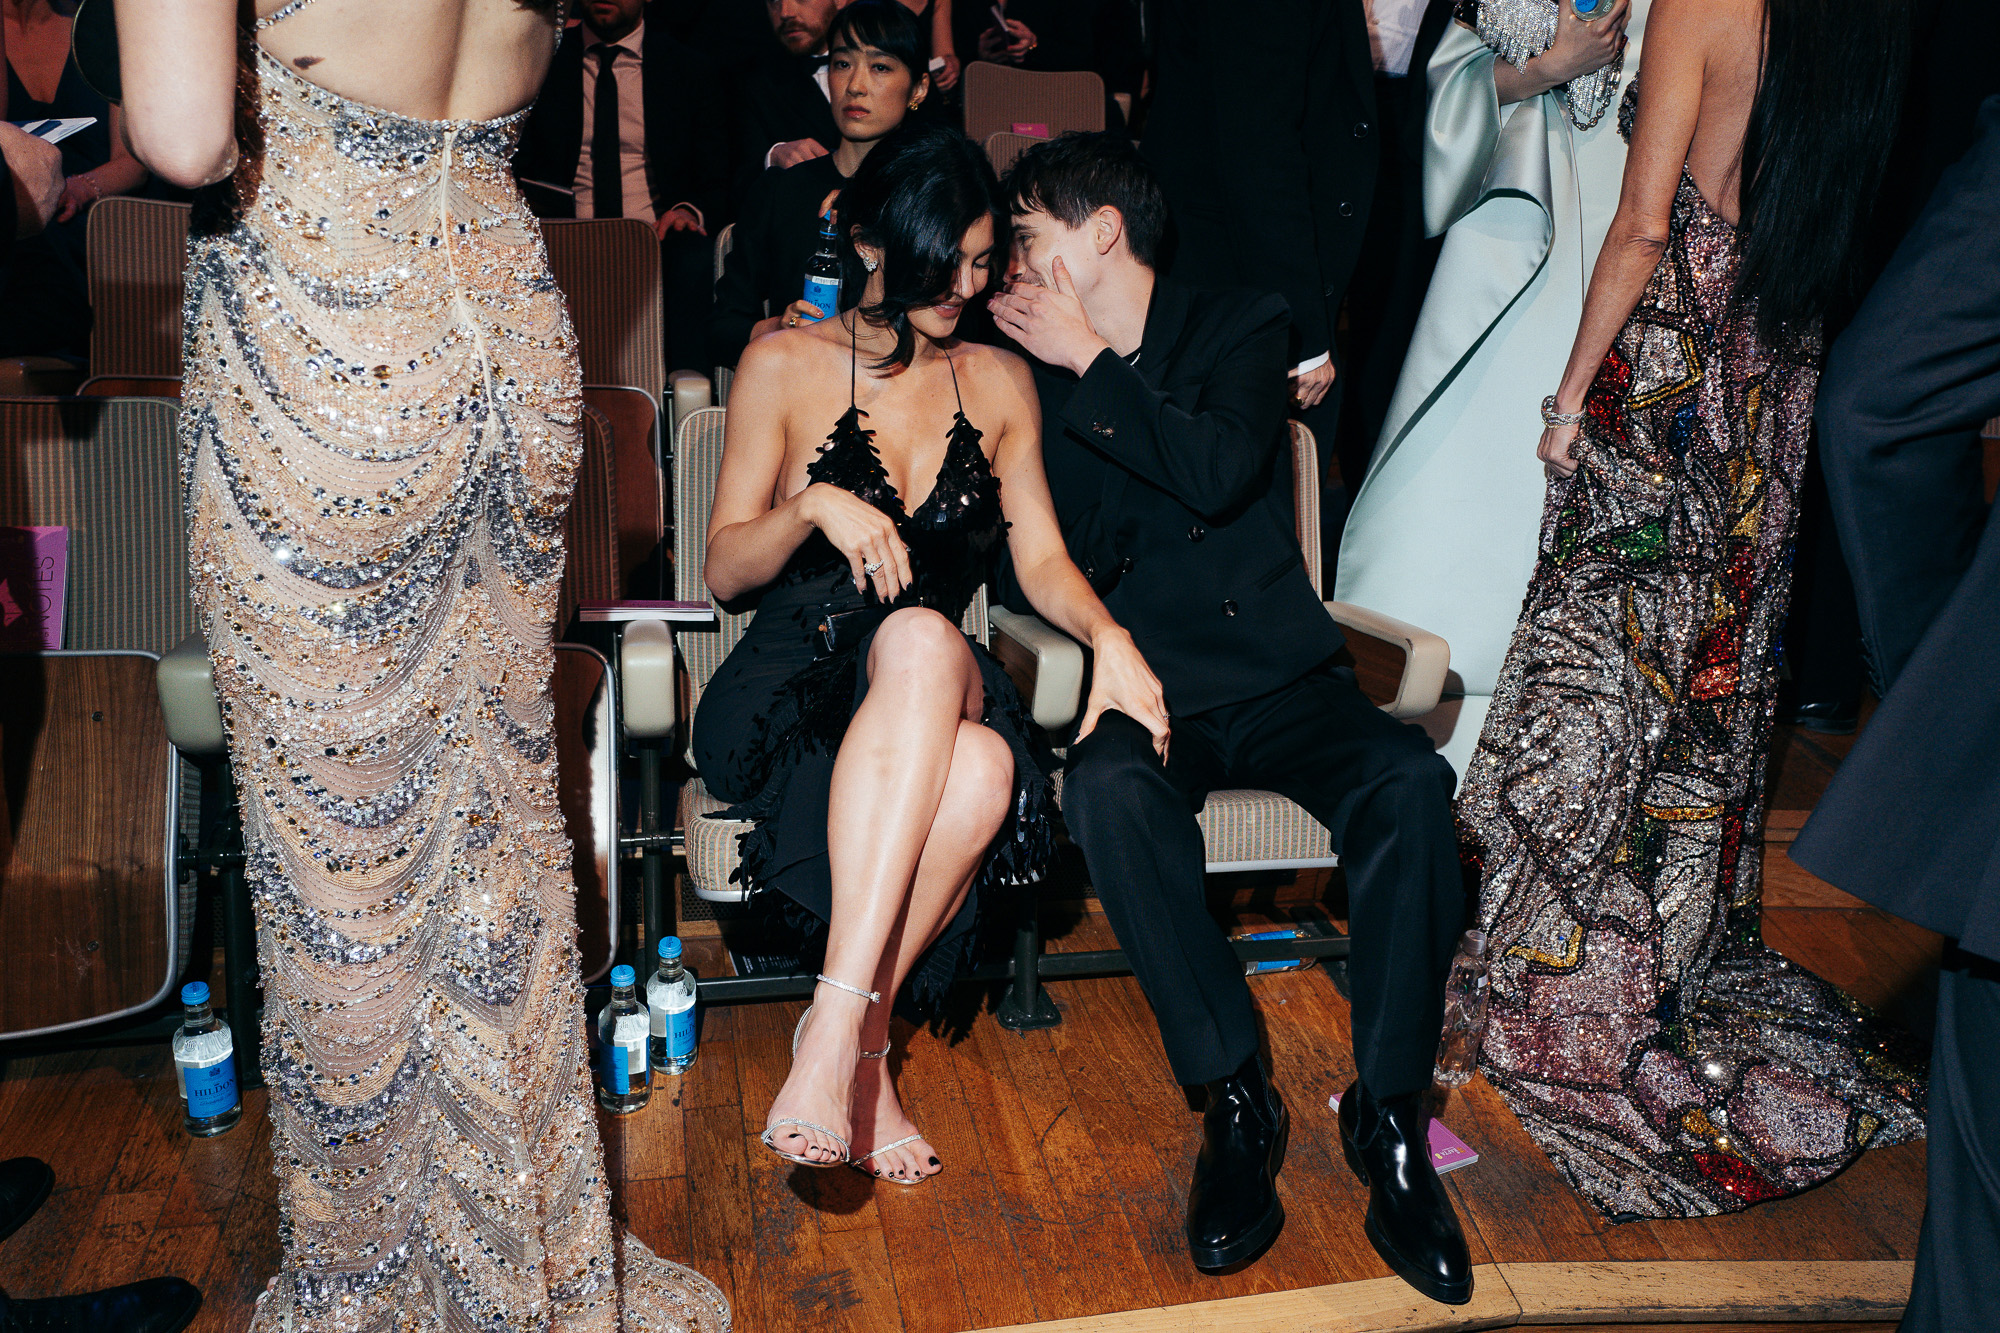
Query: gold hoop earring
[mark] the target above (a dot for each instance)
(916, 102)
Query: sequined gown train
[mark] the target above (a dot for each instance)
(381, 419)
(1668, 1062)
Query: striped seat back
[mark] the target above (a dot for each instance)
(609, 268)
(137, 253)
(998, 97)
(1003, 148)
(1305, 500)
(108, 469)
(635, 455)
(590, 528)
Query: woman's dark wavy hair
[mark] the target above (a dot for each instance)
(886, 25)
(915, 195)
(1813, 153)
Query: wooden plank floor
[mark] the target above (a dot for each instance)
(1067, 1151)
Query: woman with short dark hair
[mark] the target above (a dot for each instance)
(885, 758)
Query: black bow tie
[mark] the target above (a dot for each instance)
(819, 62)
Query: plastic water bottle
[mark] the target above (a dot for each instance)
(624, 1084)
(1465, 996)
(205, 1065)
(670, 998)
(823, 270)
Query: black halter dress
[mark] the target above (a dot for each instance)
(772, 719)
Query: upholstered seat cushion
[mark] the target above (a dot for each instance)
(712, 851)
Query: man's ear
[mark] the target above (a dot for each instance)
(1107, 224)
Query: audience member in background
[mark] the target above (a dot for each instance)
(938, 46)
(876, 80)
(1441, 532)
(1392, 267)
(629, 125)
(155, 1305)
(1952, 70)
(785, 115)
(1668, 1061)
(1909, 821)
(1265, 130)
(45, 306)
(1057, 36)
(33, 192)
(1163, 414)
(886, 759)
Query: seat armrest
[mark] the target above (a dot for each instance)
(687, 391)
(1394, 661)
(186, 682)
(1044, 663)
(646, 682)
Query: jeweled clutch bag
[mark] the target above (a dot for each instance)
(1520, 30)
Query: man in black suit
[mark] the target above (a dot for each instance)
(1163, 423)
(1909, 823)
(786, 113)
(629, 125)
(1286, 135)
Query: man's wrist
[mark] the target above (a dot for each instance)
(1081, 364)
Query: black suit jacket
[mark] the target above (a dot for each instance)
(1172, 481)
(781, 101)
(1911, 822)
(777, 231)
(1264, 129)
(686, 160)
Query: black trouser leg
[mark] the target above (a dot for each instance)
(1385, 795)
(1136, 826)
(1823, 632)
(687, 273)
(1957, 1283)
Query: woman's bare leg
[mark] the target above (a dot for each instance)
(976, 797)
(888, 781)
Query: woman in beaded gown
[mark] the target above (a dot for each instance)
(885, 758)
(1669, 1062)
(380, 420)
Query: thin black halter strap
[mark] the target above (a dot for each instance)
(854, 360)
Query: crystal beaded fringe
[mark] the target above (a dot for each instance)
(1520, 30)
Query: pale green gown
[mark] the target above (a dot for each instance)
(1443, 531)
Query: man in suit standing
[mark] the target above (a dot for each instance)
(1285, 136)
(786, 114)
(629, 125)
(1163, 420)
(1909, 821)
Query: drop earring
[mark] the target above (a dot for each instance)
(868, 262)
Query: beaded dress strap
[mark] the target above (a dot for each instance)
(280, 14)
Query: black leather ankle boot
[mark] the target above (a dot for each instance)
(157, 1305)
(24, 1183)
(1411, 1222)
(1233, 1208)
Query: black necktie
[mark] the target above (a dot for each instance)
(607, 156)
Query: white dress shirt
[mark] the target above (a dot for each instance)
(1392, 33)
(630, 72)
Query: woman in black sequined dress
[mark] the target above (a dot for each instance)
(886, 759)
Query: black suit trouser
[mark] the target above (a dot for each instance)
(1375, 783)
(687, 286)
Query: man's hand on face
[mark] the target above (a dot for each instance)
(1049, 323)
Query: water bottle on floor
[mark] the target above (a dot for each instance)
(670, 999)
(1465, 997)
(205, 1065)
(624, 1084)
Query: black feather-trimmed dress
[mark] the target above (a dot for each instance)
(772, 719)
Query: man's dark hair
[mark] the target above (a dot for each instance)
(886, 25)
(1071, 177)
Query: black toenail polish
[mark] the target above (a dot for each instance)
(935, 1162)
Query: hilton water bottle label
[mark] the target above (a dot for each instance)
(210, 1088)
(823, 293)
(625, 1056)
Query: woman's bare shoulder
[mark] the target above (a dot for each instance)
(995, 364)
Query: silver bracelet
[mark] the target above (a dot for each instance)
(1551, 417)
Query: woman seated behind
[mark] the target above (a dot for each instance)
(875, 78)
(884, 757)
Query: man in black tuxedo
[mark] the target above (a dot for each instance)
(1163, 425)
(1287, 137)
(785, 116)
(1909, 823)
(629, 125)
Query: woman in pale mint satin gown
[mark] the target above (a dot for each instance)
(1442, 533)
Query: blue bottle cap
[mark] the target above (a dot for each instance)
(670, 947)
(195, 992)
(622, 975)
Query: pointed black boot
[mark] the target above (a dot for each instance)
(1233, 1208)
(1411, 1222)
(24, 1183)
(157, 1305)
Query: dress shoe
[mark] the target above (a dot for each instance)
(157, 1305)
(1233, 1207)
(24, 1183)
(1828, 717)
(1410, 1222)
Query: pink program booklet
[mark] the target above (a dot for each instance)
(1448, 1151)
(34, 569)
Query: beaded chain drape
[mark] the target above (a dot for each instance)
(381, 421)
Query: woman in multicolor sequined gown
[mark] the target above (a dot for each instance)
(1669, 1062)
(380, 422)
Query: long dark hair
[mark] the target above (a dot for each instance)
(914, 196)
(1813, 153)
